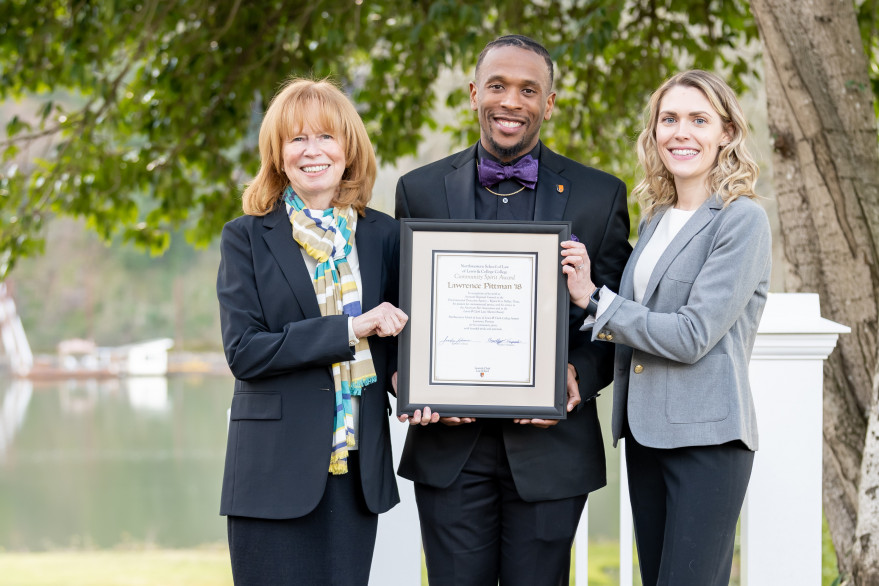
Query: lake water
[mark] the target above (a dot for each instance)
(86, 463)
(98, 464)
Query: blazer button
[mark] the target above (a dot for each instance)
(609, 337)
(639, 369)
(601, 335)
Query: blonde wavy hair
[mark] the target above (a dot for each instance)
(325, 108)
(735, 171)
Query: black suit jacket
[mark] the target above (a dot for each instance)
(280, 349)
(567, 459)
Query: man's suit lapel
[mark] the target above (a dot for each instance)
(279, 238)
(694, 225)
(369, 255)
(460, 186)
(552, 189)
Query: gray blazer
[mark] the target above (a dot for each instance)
(681, 362)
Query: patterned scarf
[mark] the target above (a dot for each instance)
(327, 236)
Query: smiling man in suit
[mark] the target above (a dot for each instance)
(500, 500)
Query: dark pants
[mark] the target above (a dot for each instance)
(331, 546)
(478, 531)
(685, 504)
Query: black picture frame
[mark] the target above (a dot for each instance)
(529, 249)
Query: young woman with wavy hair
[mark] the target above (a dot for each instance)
(684, 324)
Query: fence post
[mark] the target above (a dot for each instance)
(781, 519)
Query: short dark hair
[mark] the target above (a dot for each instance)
(522, 42)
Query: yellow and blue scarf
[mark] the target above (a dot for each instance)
(327, 236)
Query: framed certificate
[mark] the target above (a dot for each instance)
(488, 319)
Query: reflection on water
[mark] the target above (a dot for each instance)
(148, 393)
(99, 463)
(12, 411)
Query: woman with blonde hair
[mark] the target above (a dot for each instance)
(307, 286)
(684, 324)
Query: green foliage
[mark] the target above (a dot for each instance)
(144, 113)
(868, 21)
(829, 569)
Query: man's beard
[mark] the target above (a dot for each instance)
(508, 153)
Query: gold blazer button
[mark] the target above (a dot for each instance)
(638, 369)
(601, 335)
(609, 337)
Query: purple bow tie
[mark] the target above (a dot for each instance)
(525, 172)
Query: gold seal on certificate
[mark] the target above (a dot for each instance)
(488, 318)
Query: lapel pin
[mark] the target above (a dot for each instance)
(560, 188)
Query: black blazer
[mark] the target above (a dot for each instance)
(280, 350)
(567, 459)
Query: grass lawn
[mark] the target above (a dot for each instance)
(209, 566)
(186, 567)
(604, 564)
(148, 567)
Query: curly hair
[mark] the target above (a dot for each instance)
(734, 173)
(323, 106)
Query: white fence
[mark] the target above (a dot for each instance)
(781, 520)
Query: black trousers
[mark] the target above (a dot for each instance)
(685, 504)
(478, 531)
(331, 546)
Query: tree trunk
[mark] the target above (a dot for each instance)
(826, 178)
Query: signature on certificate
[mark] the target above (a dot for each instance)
(455, 341)
(504, 341)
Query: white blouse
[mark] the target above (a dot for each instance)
(669, 225)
